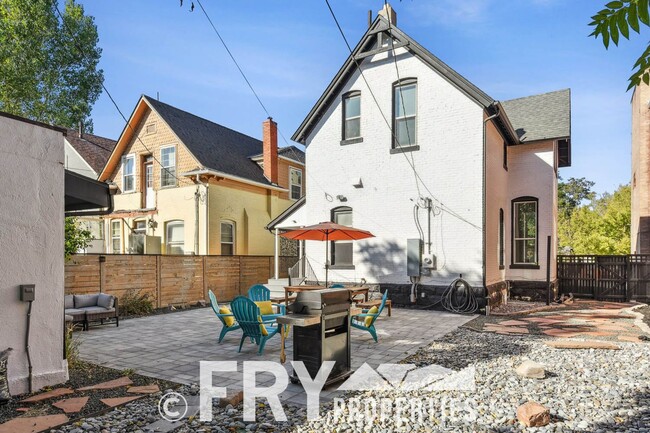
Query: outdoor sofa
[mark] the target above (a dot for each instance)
(91, 308)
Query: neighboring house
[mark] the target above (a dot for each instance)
(190, 186)
(485, 195)
(640, 228)
(36, 190)
(87, 155)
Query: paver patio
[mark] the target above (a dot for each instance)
(170, 346)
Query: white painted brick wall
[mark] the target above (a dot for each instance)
(449, 130)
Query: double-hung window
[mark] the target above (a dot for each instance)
(404, 113)
(175, 237)
(342, 250)
(227, 238)
(128, 173)
(524, 214)
(168, 166)
(116, 237)
(352, 115)
(295, 180)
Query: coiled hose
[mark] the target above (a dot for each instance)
(459, 298)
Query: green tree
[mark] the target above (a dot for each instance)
(616, 20)
(600, 227)
(76, 237)
(49, 66)
(573, 193)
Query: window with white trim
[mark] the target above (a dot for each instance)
(175, 237)
(168, 166)
(116, 236)
(524, 214)
(352, 115)
(404, 113)
(295, 183)
(342, 250)
(227, 238)
(128, 173)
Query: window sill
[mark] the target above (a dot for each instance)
(342, 267)
(524, 266)
(501, 267)
(404, 149)
(351, 141)
(168, 186)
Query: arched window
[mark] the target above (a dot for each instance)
(341, 254)
(227, 238)
(524, 231)
(404, 113)
(175, 237)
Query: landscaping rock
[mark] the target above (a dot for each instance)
(531, 369)
(122, 381)
(583, 345)
(50, 394)
(533, 414)
(71, 405)
(233, 398)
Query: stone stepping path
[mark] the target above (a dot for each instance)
(111, 384)
(71, 405)
(34, 424)
(118, 401)
(566, 344)
(47, 395)
(146, 389)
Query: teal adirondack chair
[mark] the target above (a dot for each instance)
(215, 307)
(258, 293)
(248, 317)
(337, 286)
(359, 321)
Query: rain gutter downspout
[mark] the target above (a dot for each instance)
(485, 122)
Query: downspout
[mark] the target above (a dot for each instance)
(484, 200)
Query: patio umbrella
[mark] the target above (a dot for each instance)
(327, 231)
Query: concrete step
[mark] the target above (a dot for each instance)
(277, 286)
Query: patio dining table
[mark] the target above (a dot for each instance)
(354, 291)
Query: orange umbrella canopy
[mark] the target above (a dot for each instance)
(327, 231)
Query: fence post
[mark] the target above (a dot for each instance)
(158, 301)
(205, 283)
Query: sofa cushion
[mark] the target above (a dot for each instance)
(81, 301)
(76, 312)
(104, 300)
(68, 301)
(96, 310)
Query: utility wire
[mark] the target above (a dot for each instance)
(128, 123)
(417, 175)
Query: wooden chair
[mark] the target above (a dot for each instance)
(222, 317)
(249, 318)
(360, 320)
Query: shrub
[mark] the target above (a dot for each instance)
(71, 347)
(135, 302)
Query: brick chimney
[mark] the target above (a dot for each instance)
(270, 145)
(389, 13)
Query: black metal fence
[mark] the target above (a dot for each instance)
(605, 278)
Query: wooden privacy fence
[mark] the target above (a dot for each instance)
(605, 278)
(170, 280)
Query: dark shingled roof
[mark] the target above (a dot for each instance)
(541, 117)
(95, 150)
(291, 152)
(216, 147)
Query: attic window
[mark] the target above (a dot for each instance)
(150, 128)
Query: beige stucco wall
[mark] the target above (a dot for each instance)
(31, 235)
(640, 176)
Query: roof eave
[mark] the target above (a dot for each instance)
(287, 213)
(211, 172)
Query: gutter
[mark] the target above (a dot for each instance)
(210, 172)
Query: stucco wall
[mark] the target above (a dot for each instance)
(31, 235)
(449, 131)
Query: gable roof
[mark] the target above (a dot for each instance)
(541, 117)
(287, 213)
(290, 152)
(214, 146)
(381, 25)
(95, 150)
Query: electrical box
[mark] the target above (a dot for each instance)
(429, 262)
(27, 292)
(413, 257)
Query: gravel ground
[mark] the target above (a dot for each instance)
(83, 374)
(646, 313)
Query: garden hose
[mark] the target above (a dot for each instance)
(459, 298)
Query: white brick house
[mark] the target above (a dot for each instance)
(412, 136)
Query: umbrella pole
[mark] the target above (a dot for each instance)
(327, 256)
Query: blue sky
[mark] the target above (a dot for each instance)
(291, 49)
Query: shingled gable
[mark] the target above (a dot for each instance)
(215, 147)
